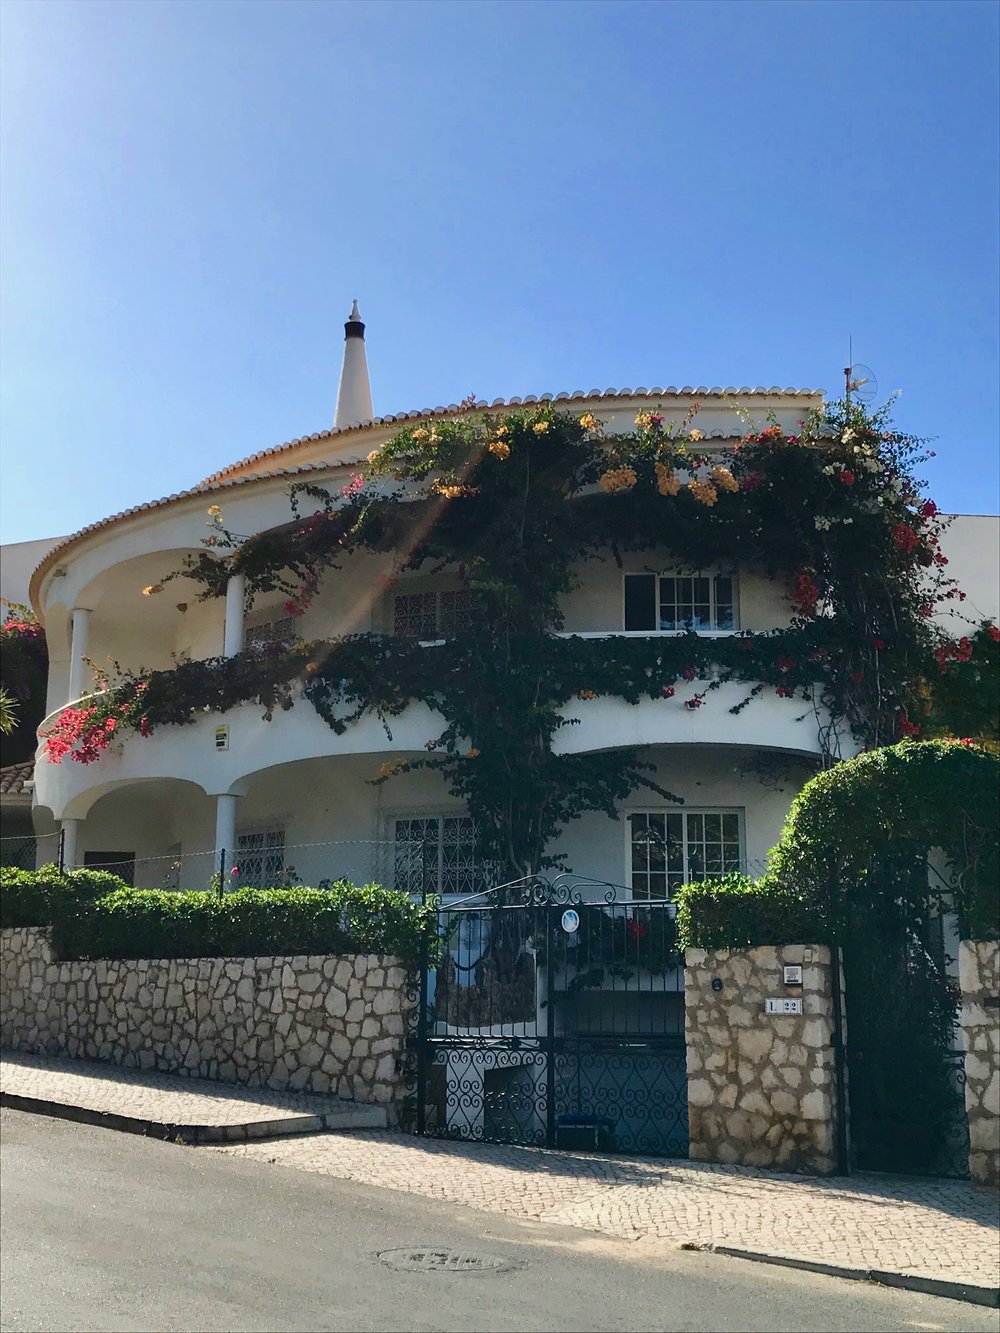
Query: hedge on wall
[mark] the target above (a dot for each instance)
(857, 837)
(43, 897)
(736, 912)
(110, 920)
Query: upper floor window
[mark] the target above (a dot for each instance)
(431, 615)
(675, 847)
(681, 602)
(258, 636)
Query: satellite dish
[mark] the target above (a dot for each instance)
(861, 383)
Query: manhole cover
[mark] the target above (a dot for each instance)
(444, 1261)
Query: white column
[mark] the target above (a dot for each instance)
(236, 590)
(70, 828)
(225, 829)
(78, 647)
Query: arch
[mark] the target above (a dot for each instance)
(80, 805)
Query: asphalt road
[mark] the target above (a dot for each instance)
(107, 1231)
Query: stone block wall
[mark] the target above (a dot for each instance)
(761, 1089)
(979, 976)
(311, 1023)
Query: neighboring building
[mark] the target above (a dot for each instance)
(291, 793)
(17, 561)
(17, 842)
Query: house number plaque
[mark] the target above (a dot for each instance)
(782, 1006)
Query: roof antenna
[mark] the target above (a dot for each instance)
(859, 380)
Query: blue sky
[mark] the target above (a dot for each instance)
(524, 197)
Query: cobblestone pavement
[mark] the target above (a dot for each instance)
(941, 1229)
(143, 1094)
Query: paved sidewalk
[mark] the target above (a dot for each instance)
(942, 1230)
(192, 1109)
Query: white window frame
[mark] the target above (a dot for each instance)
(711, 574)
(439, 815)
(263, 831)
(684, 814)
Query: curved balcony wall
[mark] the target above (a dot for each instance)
(190, 753)
(767, 722)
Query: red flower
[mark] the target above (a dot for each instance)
(993, 632)
(846, 476)
(906, 727)
(904, 537)
(689, 673)
(667, 691)
(785, 663)
(806, 594)
(879, 645)
(694, 702)
(784, 692)
(928, 509)
(857, 677)
(635, 930)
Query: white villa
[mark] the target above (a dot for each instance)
(291, 793)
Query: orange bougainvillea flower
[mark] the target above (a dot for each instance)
(703, 491)
(618, 479)
(667, 482)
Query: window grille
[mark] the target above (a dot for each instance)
(257, 637)
(437, 854)
(432, 615)
(260, 858)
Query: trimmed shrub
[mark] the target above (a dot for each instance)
(44, 897)
(150, 923)
(96, 915)
(736, 912)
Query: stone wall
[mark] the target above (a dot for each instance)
(760, 1086)
(979, 975)
(313, 1023)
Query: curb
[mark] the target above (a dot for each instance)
(928, 1286)
(191, 1134)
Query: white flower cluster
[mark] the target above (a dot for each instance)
(824, 524)
(866, 461)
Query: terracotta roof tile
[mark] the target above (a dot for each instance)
(17, 779)
(396, 418)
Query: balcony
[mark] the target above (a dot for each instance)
(219, 751)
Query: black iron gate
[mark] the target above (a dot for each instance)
(906, 1074)
(553, 1015)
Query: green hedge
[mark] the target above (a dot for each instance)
(44, 897)
(88, 921)
(736, 912)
